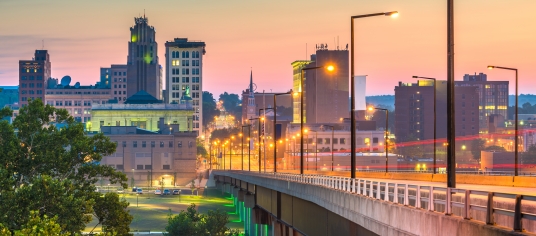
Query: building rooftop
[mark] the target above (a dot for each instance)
(142, 97)
(184, 43)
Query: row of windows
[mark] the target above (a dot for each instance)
(184, 54)
(185, 71)
(31, 85)
(120, 80)
(119, 73)
(124, 92)
(27, 98)
(184, 79)
(78, 92)
(190, 144)
(119, 98)
(31, 92)
(31, 77)
(76, 103)
(28, 70)
(195, 95)
(116, 86)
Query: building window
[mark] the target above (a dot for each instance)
(139, 167)
(152, 144)
(170, 144)
(148, 167)
(143, 144)
(166, 167)
(124, 143)
(135, 144)
(374, 140)
(161, 144)
(179, 144)
(335, 141)
(342, 141)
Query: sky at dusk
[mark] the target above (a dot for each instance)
(82, 36)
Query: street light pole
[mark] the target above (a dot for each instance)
(435, 122)
(516, 138)
(249, 154)
(386, 137)
(263, 142)
(242, 147)
(330, 68)
(451, 121)
(275, 130)
(352, 90)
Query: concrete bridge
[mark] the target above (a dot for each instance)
(315, 204)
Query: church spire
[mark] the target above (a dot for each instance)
(251, 84)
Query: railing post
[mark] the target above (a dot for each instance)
(431, 199)
(386, 192)
(418, 197)
(378, 193)
(406, 195)
(371, 189)
(358, 190)
(518, 226)
(489, 212)
(448, 202)
(395, 193)
(467, 204)
(353, 186)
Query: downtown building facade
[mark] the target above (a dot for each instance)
(184, 76)
(33, 76)
(414, 111)
(492, 98)
(143, 70)
(325, 92)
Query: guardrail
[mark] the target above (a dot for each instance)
(476, 172)
(400, 194)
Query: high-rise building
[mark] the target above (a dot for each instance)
(33, 75)
(184, 75)
(493, 97)
(143, 69)
(325, 92)
(414, 111)
(118, 83)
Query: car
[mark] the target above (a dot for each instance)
(166, 192)
(120, 190)
(139, 191)
(176, 192)
(157, 192)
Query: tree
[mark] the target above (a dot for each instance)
(495, 148)
(190, 222)
(112, 214)
(231, 103)
(201, 150)
(35, 226)
(477, 145)
(221, 134)
(209, 108)
(50, 170)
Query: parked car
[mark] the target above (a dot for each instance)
(139, 191)
(167, 192)
(134, 190)
(120, 190)
(157, 192)
(176, 192)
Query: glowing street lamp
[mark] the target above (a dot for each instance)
(386, 134)
(516, 139)
(352, 93)
(328, 68)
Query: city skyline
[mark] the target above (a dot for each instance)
(267, 37)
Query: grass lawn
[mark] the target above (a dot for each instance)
(151, 211)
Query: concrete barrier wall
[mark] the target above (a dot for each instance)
(380, 217)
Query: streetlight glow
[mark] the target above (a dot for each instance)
(330, 68)
(393, 14)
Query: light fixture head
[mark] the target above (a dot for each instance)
(393, 14)
(491, 67)
(414, 76)
(330, 68)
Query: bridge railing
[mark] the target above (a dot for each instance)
(412, 195)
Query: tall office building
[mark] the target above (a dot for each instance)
(33, 75)
(325, 92)
(143, 70)
(493, 97)
(414, 110)
(184, 75)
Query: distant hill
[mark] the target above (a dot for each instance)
(523, 98)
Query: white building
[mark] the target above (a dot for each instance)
(184, 75)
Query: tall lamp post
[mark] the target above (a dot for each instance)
(263, 131)
(352, 90)
(386, 135)
(259, 134)
(329, 68)
(332, 137)
(275, 129)
(230, 151)
(516, 139)
(435, 122)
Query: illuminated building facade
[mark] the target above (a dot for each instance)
(325, 92)
(493, 97)
(184, 75)
(414, 110)
(143, 70)
(115, 78)
(33, 75)
(165, 157)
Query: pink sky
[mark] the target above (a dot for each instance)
(83, 36)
